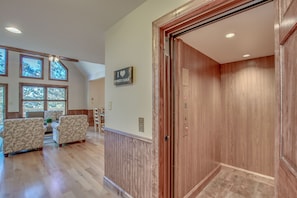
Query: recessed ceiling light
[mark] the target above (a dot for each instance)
(246, 55)
(13, 30)
(230, 35)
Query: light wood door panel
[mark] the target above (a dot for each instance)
(287, 85)
(197, 118)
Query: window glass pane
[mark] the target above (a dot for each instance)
(31, 67)
(58, 71)
(2, 107)
(32, 106)
(33, 93)
(56, 93)
(2, 61)
(56, 106)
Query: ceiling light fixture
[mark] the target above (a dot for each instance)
(246, 55)
(53, 58)
(230, 35)
(13, 30)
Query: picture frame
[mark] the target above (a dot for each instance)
(123, 76)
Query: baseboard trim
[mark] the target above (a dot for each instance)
(201, 185)
(257, 176)
(115, 188)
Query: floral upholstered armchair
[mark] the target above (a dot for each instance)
(71, 128)
(22, 134)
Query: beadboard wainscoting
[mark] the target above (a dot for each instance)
(128, 164)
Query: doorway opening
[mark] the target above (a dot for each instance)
(207, 101)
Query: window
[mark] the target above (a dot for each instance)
(58, 71)
(3, 108)
(3, 62)
(31, 67)
(43, 97)
(56, 99)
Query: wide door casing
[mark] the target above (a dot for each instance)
(286, 75)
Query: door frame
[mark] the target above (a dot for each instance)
(178, 20)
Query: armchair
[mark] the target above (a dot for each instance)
(71, 128)
(22, 134)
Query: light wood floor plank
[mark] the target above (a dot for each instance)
(72, 171)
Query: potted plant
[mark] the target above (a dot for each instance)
(49, 121)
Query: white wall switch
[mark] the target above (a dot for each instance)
(141, 124)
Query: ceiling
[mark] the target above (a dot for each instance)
(69, 28)
(76, 28)
(254, 35)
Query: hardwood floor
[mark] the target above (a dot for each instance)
(74, 170)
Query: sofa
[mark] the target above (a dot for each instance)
(22, 134)
(70, 128)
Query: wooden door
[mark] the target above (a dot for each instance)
(286, 58)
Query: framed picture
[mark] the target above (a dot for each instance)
(123, 76)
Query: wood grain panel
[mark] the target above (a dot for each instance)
(77, 112)
(248, 90)
(289, 110)
(11, 115)
(91, 117)
(87, 112)
(277, 96)
(289, 21)
(286, 133)
(197, 118)
(128, 163)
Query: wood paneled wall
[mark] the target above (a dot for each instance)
(197, 146)
(286, 80)
(248, 121)
(11, 115)
(88, 112)
(128, 163)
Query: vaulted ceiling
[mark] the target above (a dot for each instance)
(69, 28)
(76, 29)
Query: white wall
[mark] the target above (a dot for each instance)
(96, 93)
(129, 43)
(77, 83)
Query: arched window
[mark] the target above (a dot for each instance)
(58, 71)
